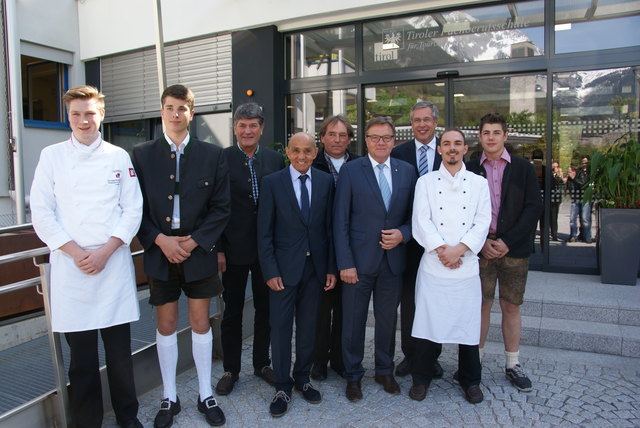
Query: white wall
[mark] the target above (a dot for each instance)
(112, 26)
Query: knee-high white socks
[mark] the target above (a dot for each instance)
(167, 347)
(201, 347)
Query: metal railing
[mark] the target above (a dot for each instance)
(61, 404)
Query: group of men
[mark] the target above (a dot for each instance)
(324, 233)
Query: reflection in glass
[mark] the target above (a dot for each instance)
(321, 52)
(591, 110)
(599, 24)
(506, 31)
(128, 134)
(305, 112)
(396, 101)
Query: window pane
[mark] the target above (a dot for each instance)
(305, 112)
(321, 52)
(591, 110)
(396, 101)
(522, 100)
(583, 25)
(214, 128)
(506, 31)
(41, 89)
(128, 134)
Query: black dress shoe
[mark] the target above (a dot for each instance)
(212, 413)
(389, 383)
(318, 372)
(418, 392)
(279, 404)
(437, 370)
(354, 391)
(168, 409)
(404, 368)
(473, 394)
(266, 373)
(309, 393)
(225, 384)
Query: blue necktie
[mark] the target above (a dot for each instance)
(423, 164)
(385, 190)
(304, 198)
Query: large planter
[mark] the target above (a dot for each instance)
(619, 245)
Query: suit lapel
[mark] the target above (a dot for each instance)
(395, 181)
(370, 176)
(315, 195)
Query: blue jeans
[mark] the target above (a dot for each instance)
(584, 210)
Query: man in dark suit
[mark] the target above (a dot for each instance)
(294, 247)
(422, 153)
(248, 162)
(185, 186)
(372, 224)
(515, 209)
(335, 134)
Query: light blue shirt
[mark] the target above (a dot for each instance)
(387, 171)
(295, 179)
(431, 152)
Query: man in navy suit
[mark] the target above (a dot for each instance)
(372, 224)
(422, 153)
(296, 256)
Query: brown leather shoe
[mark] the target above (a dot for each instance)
(418, 392)
(354, 391)
(225, 384)
(389, 383)
(266, 373)
(473, 394)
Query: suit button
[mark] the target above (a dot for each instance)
(249, 180)
(167, 219)
(171, 177)
(206, 183)
(170, 197)
(250, 196)
(173, 155)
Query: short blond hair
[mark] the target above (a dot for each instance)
(84, 92)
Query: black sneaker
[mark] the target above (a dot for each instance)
(309, 393)
(279, 404)
(518, 378)
(168, 409)
(212, 413)
(225, 384)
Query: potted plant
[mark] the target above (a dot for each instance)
(615, 189)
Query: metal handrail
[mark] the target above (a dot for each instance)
(62, 403)
(16, 228)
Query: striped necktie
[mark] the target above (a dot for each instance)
(385, 190)
(423, 164)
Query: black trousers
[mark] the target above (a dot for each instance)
(235, 282)
(85, 393)
(329, 330)
(427, 352)
(300, 302)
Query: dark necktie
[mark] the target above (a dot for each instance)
(304, 198)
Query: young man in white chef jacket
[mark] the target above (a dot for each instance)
(451, 216)
(86, 205)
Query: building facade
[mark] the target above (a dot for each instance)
(565, 73)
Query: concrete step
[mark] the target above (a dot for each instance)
(586, 336)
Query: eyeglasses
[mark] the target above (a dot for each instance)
(385, 138)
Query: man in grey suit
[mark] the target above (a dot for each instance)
(248, 162)
(372, 224)
(294, 247)
(422, 153)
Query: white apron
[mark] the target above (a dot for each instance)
(87, 302)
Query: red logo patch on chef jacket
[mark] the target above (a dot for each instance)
(132, 172)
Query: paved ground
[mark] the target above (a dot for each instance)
(570, 389)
